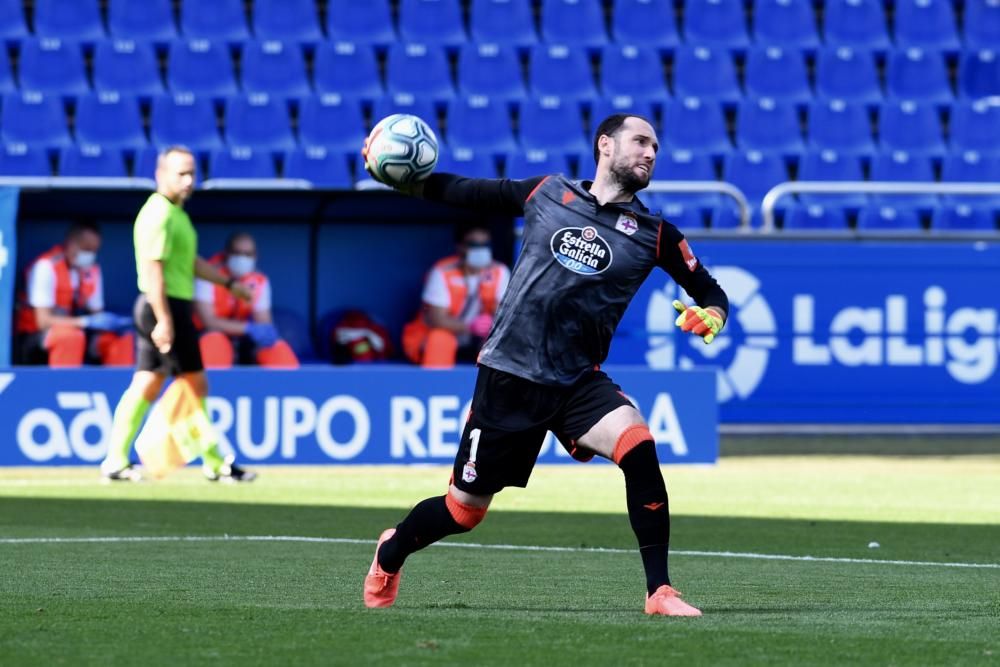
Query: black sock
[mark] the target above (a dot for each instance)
(648, 511)
(426, 523)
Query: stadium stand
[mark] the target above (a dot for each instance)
(53, 66)
(491, 70)
(222, 20)
(706, 73)
(552, 124)
(406, 103)
(982, 24)
(979, 72)
(91, 160)
(764, 124)
(349, 69)
(274, 68)
(480, 124)
(21, 160)
(972, 166)
(975, 126)
(895, 166)
(421, 70)
(528, 163)
(836, 125)
(289, 20)
(779, 73)
(556, 70)
(332, 122)
(35, 120)
(13, 27)
(258, 121)
(478, 164)
(109, 120)
(829, 165)
(910, 127)
(917, 74)
(815, 217)
(184, 119)
(952, 217)
(856, 23)
(7, 84)
(848, 74)
(241, 162)
(633, 72)
(695, 125)
(886, 217)
(322, 167)
(576, 23)
(784, 23)
(716, 23)
(361, 21)
(200, 67)
(76, 20)
(926, 24)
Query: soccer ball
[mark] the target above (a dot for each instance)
(402, 150)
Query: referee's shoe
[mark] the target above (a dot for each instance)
(229, 472)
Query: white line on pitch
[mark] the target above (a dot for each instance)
(473, 545)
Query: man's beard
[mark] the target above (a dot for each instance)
(626, 177)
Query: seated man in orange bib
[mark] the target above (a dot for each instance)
(60, 317)
(460, 297)
(235, 331)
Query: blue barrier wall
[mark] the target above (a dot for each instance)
(8, 257)
(327, 415)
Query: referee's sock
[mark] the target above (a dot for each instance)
(648, 508)
(129, 413)
(431, 520)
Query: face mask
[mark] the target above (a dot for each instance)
(479, 257)
(85, 259)
(240, 265)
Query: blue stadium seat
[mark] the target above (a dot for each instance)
(817, 217)
(982, 24)
(347, 69)
(856, 23)
(322, 167)
(53, 66)
(491, 70)
(975, 126)
(962, 217)
(480, 124)
(186, 120)
(13, 27)
(200, 67)
(705, 73)
(681, 215)
(431, 22)
(606, 106)
(7, 84)
(847, 73)
(683, 165)
(144, 164)
(582, 164)
(979, 73)
(763, 124)
(779, 73)
(241, 162)
(552, 124)
(717, 23)
(23, 160)
(885, 217)
(128, 67)
(901, 166)
(35, 119)
(142, 20)
(754, 172)
(634, 72)
(829, 165)
(525, 164)
(972, 167)
(916, 74)
(109, 120)
(275, 68)
(91, 160)
(926, 24)
(911, 127)
(467, 162)
(574, 22)
(360, 21)
(405, 103)
(288, 20)
(333, 122)
(259, 121)
(502, 22)
(557, 70)
(645, 22)
(695, 125)
(790, 24)
(420, 70)
(836, 125)
(222, 20)
(68, 19)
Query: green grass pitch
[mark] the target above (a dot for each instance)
(179, 572)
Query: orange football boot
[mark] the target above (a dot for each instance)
(381, 587)
(666, 601)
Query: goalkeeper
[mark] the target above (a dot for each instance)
(588, 246)
(167, 261)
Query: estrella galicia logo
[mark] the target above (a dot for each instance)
(581, 250)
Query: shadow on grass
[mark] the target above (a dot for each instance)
(36, 517)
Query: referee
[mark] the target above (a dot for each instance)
(167, 262)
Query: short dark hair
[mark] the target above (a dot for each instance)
(610, 126)
(464, 229)
(236, 236)
(81, 227)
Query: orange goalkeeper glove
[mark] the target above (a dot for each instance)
(704, 322)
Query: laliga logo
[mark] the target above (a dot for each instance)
(749, 315)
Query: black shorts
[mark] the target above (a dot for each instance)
(184, 355)
(509, 420)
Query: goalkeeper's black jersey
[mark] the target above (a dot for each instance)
(579, 268)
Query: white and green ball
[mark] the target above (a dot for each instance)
(402, 149)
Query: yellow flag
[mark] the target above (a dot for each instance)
(176, 433)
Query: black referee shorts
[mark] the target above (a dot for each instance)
(509, 420)
(184, 355)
